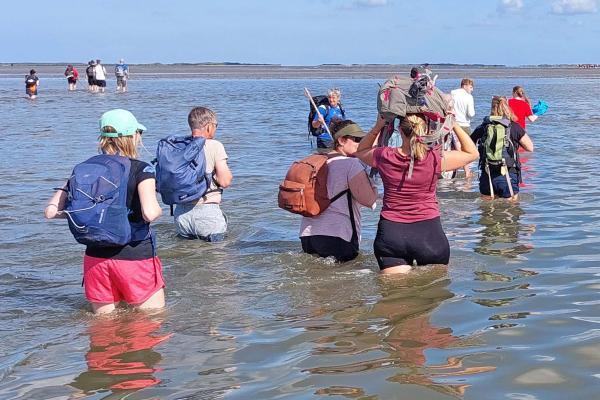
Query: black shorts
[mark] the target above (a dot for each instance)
(422, 242)
(101, 83)
(330, 246)
(71, 80)
(91, 81)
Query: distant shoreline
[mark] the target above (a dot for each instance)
(326, 71)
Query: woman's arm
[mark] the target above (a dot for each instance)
(363, 190)
(319, 119)
(366, 146)
(56, 204)
(150, 208)
(532, 117)
(459, 158)
(526, 142)
(317, 123)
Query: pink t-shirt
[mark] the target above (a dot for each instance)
(408, 200)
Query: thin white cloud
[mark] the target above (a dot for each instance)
(510, 5)
(371, 3)
(572, 7)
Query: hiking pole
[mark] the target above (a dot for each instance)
(307, 94)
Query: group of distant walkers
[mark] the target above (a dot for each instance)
(96, 78)
(111, 199)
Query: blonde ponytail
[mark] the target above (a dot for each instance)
(413, 126)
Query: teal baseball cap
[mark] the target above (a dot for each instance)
(123, 122)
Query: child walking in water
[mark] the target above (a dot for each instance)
(110, 201)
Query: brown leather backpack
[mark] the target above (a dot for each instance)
(304, 189)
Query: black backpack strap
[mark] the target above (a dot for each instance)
(352, 222)
(348, 195)
(342, 110)
(337, 196)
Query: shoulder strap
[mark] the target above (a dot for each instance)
(342, 110)
(348, 194)
(334, 155)
(352, 222)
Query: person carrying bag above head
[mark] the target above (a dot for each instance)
(109, 202)
(410, 232)
(499, 139)
(331, 222)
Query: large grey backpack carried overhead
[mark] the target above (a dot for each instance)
(399, 96)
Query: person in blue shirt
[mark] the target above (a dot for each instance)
(325, 115)
(122, 74)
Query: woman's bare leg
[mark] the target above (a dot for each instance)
(157, 300)
(398, 269)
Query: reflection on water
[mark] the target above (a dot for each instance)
(503, 234)
(392, 339)
(412, 333)
(121, 357)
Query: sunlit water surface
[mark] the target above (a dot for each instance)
(515, 315)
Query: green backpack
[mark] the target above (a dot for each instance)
(497, 145)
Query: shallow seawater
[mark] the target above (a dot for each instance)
(514, 316)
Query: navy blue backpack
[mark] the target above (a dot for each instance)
(96, 204)
(181, 169)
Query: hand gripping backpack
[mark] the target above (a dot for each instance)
(96, 204)
(304, 189)
(181, 169)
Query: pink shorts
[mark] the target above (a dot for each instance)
(111, 281)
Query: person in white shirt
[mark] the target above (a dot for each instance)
(464, 111)
(100, 76)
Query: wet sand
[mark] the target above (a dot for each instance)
(379, 71)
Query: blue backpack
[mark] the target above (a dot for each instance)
(96, 204)
(181, 169)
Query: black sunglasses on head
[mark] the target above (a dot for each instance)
(355, 139)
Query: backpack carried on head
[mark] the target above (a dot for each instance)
(181, 169)
(400, 96)
(304, 189)
(497, 150)
(96, 204)
(320, 101)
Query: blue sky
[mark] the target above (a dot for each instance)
(303, 32)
